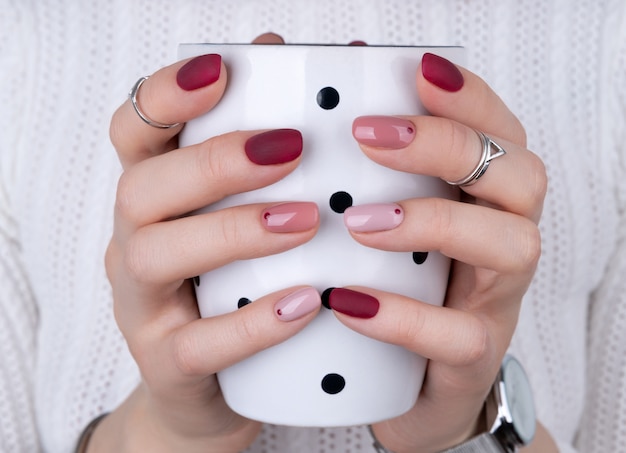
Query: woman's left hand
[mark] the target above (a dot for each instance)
(491, 235)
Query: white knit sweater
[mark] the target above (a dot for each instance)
(66, 65)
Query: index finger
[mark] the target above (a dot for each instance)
(174, 94)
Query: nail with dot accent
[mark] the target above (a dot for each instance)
(290, 217)
(298, 304)
(373, 217)
(388, 132)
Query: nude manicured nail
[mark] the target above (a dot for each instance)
(199, 72)
(298, 304)
(274, 147)
(290, 217)
(353, 303)
(441, 72)
(373, 217)
(383, 131)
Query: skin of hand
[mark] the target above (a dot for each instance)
(157, 247)
(491, 235)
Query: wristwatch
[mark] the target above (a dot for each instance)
(510, 413)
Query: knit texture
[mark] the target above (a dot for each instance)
(66, 65)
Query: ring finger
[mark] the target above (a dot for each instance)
(439, 147)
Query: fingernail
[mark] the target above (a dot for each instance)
(199, 72)
(297, 304)
(373, 217)
(353, 303)
(383, 131)
(274, 147)
(441, 72)
(290, 217)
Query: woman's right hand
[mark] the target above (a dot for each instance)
(156, 248)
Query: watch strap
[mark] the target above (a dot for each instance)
(484, 443)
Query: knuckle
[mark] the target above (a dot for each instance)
(126, 199)
(228, 231)
(473, 346)
(210, 163)
(539, 186)
(249, 331)
(410, 329)
(442, 222)
(519, 134)
(530, 250)
(116, 129)
(111, 260)
(186, 354)
(138, 259)
(463, 145)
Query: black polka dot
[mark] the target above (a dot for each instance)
(333, 383)
(196, 280)
(243, 302)
(326, 297)
(340, 201)
(420, 257)
(328, 98)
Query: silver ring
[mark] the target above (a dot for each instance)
(490, 151)
(133, 99)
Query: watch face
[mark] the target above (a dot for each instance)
(519, 399)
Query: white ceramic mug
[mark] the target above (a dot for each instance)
(326, 375)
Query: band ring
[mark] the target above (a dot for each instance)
(133, 99)
(490, 151)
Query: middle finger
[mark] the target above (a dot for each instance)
(476, 235)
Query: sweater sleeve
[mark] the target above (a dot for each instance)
(603, 427)
(18, 312)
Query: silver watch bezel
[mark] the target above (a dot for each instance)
(510, 432)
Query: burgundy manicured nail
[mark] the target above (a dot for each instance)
(274, 147)
(383, 131)
(353, 303)
(290, 217)
(297, 304)
(441, 72)
(373, 217)
(199, 72)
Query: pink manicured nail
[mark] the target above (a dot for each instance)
(290, 217)
(373, 217)
(199, 72)
(383, 131)
(441, 72)
(274, 147)
(297, 304)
